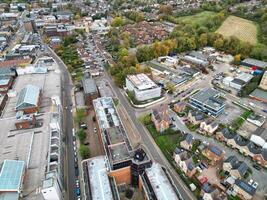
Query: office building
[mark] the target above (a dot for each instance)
(208, 100)
(143, 87)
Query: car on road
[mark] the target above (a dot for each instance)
(76, 172)
(78, 191)
(84, 126)
(256, 166)
(264, 111)
(74, 138)
(77, 183)
(173, 119)
(76, 165)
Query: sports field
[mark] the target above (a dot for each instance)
(243, 29)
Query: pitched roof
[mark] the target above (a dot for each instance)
(11, 174)
(227, 133)
(253, 148)
(245, 186)
(215, 150)
(161, 113)
(240, 140)
(199, 116)
(28, 97)
(188, 138)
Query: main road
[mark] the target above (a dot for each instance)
(67, 86)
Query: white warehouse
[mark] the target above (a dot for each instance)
(144, 88)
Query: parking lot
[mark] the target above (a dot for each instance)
(230, 114)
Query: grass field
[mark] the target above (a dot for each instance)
(197, 19)
(243, 29)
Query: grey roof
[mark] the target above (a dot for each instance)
(242, 168)
(253, 148)
(240, 140)
(189, 138)
(238, 81)
(89, 85)
(211, 122)
(207, 187)
(228, 133)
(232, 160)
(245, 186)
(198, 55)
(199, 116)
(7, 71)
(216, 150)
(264, 153)
(254, 62)
(259, 94)
(9, 196)
(209, 97)
(28, 97)
(178, 150)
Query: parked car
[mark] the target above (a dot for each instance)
(95, 130)
(255, 185)
(78, 191)
(84, 126)
(256, 166)
(76, 171)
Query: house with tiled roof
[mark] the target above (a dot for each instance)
(209, 192)
(160, 118)
(214, 154)
(209, 126)
(254, 149)
(244, 190)
(187, 141)
(195, 117)
(235, 167)
(224, 135)
(261, 158)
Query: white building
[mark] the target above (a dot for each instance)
(144, 88)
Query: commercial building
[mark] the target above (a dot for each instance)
(240, 81)
(259, 95)
(89, 89)
(143, 87)
(250, 62)
(208, 100)
(122, 165)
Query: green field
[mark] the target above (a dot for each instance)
(243, 29)
(200, 19)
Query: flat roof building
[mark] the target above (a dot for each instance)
(208, 100)
(90, 89)
(143, 87)
(250, 62)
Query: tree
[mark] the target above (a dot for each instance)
(237, 59)
(122, 53)
(218, 44)
(82, 135)
(170, 87)
(145, 53)
(165, 9)
(84, 151)
(117, 22)
(203, 40)
(80, 115)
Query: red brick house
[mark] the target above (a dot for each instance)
(160, 118)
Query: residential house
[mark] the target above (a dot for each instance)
(184, 162)
(259, 137)
(160, 118)
(195, 117)
(224, 135)
(240, 143)
(244, 190)
(209, 126)
(254, 149)
(6, 83)
(179, 107)
(214, 154)
(261, 158)
(187, 141)
(235, 167)
(209, 192)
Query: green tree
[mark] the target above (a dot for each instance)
(203, 40)
(80, 115)
(166, 9)
(84, 152)
(218, 44)
(82, 135)
(117, 22)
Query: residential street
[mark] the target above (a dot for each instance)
(259, 176)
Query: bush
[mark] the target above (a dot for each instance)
(128, 193)
(84, 151)
(82, 135)
(80, 115)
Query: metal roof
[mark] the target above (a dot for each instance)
(89, 85)
(28, 97)
(11, 175)
(254, 62)
(9, 196)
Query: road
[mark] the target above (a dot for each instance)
(68, 119)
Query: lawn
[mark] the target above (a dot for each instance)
(243, 29)
(199, 19)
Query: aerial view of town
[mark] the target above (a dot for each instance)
(133, 99)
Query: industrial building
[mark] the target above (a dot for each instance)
(263, 83)
(208, 100)
(250, 62)
(143, 87)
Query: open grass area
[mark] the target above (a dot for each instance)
(243, 29)
(200, 19)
